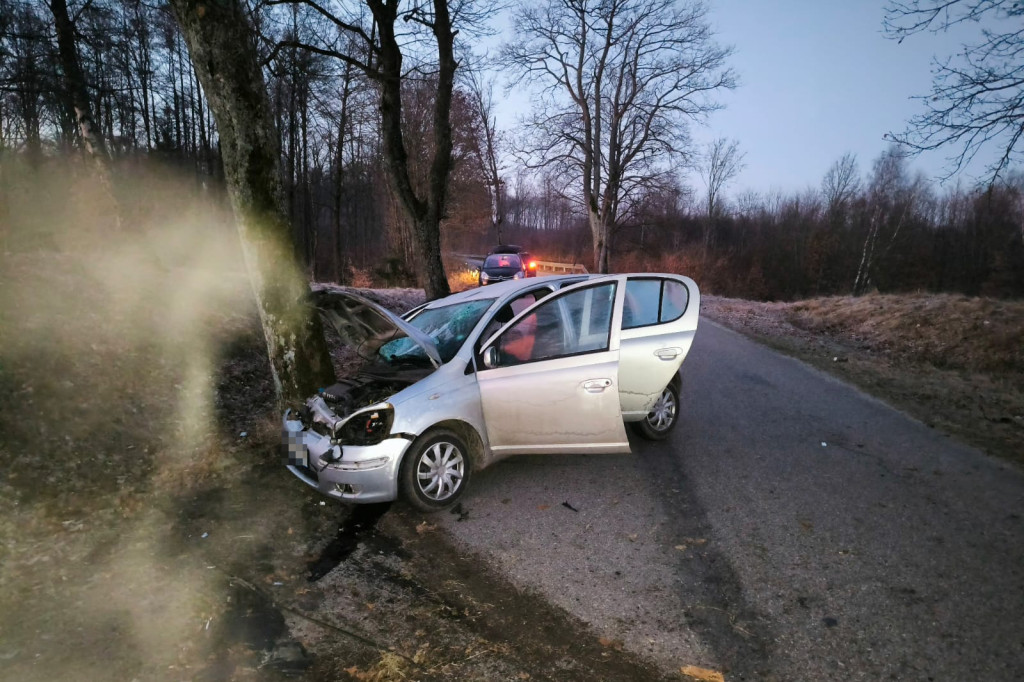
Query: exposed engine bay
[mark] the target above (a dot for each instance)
(343, 411)
(365, 389)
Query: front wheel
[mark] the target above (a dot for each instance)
(662, 418)
(435, 472)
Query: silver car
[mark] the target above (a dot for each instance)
(545, 365)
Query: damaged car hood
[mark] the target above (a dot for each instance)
(363, 324)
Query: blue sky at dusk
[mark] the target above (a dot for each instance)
(817, 79)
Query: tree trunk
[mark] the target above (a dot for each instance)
(79, 97)
(600, 234)
(339, 186)
(220, 43)
(424, 214)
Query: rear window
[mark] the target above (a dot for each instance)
(503, 260)
(653, 301)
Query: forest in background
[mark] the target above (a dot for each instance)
(879, 227)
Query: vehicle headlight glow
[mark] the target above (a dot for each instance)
(483, 276)
(518, 275)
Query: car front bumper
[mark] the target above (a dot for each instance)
(364, 474)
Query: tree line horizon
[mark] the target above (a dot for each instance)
(883, 229)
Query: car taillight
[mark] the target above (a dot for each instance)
(533, 265)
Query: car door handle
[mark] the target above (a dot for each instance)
(668, 353)
(596, 385)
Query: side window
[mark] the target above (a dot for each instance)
(674, 299)
(579, 322)
(591, 313)
(653, 301)
(642, 299)
(511, 309)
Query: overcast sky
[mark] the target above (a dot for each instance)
(817, 80)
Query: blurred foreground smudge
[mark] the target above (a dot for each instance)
(127, 372)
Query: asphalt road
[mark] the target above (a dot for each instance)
(792, 528)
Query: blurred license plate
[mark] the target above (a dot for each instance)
(295, 452)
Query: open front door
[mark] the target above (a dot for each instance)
(551, 381)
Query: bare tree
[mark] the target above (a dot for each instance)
(222, 49)
(481, 92)
(840, 185)
(78, 95)
(977, 98)
(721, 163)
(384, 44)
(619, 82)
(892, 198)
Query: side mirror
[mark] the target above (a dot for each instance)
(490, 357)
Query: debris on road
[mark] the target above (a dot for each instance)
(703, 674)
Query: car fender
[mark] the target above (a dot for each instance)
(448, 396)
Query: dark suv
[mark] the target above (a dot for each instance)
(505, 262)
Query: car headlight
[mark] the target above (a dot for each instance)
(518, 275)
(483, 276)
(368, 427)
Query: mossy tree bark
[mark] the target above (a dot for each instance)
(223, 51)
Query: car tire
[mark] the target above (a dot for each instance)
(662, 418)
(435, 471)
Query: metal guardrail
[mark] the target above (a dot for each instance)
(551, 266)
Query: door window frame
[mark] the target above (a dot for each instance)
(557, 298)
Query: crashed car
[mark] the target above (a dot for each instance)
(546, 365)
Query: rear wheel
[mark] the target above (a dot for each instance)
(435, 472)
(662, 418)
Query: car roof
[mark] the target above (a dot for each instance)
(508, 248)
(501, 289)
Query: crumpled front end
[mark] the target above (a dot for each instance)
(353, 458)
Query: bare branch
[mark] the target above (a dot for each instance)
(977, 101)
(617, 84)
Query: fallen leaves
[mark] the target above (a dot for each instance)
(703, 674)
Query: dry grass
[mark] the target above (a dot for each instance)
(460, 280)
(942, 330)
(954, 362)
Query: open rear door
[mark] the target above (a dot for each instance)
(659, 320)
